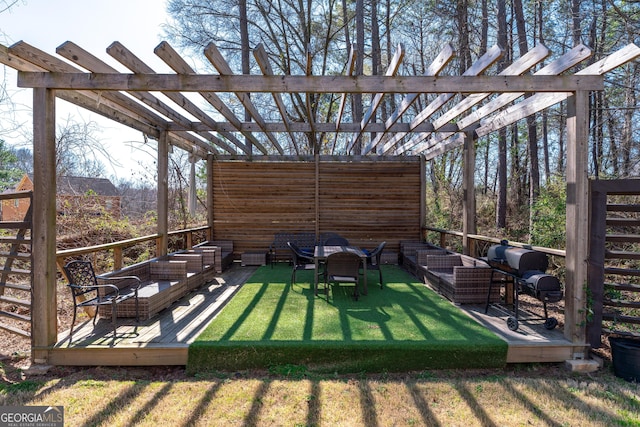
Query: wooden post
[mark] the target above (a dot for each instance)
(423, 197)
(162, 244)
(44, 323)
(117, 258)
(595, 273)
(577, 221)
(469, 195)
(210, 206)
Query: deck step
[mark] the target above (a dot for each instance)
(623, 238)
(621, 255)
(623, 287)
(16, 271)
(622, 271)
(15, 330)
(621, 318)
(16, 301)
(623, 207)
(15, 225)
(623, 222)
(621, 303)
(14, 241)
(26, 288)
(15, 316)
(24, 256)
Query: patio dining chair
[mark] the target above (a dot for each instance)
(87, 292)
(343, 267)
(302, 260)
(373, 260)
(336, 240)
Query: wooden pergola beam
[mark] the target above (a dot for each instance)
(306, 84)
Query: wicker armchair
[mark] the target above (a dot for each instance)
(84, 287)
(343, 267)
(373, 260)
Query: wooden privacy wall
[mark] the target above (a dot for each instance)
(366, 201)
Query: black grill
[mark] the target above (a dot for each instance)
(526, 270)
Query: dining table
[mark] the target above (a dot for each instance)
(321, 253)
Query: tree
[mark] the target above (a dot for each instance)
(10, 174)
(78, 149)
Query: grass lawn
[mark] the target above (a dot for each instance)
(403, 327)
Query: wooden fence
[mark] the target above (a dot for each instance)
(365, 201)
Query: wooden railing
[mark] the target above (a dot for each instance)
(119, 246)
(475, 238)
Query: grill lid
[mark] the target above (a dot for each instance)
(516, 260)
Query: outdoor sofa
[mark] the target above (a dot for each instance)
(460, 278)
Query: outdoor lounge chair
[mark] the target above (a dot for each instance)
(343, 267)
(373, 260)
(84, 287)
(302, 260)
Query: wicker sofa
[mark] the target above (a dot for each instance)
(279, 250)
(223, 252)
(413, 254)
(460, 278)
(162, 283)
(200, 266)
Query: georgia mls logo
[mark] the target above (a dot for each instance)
(31, 416)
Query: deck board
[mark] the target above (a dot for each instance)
(165, 338)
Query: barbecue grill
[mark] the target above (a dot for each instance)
(522, 270)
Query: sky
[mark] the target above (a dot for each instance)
(93, 25)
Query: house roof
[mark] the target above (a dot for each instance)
(79, 185)
(76, 185)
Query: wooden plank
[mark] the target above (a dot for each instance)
(621, 303)
(547, 353)
(540, 101)
(623, 287)
(623, 222)
(484, 62)
(443, 58)
(14, 330)
(620, 318)
(16, 286)
(307, 84)
(392, 70)
(351, 63)
(15, 316)
(623, 238)
(143, 355)
(613, 207)
(215, 57)
(16, 301)
(609, 254)
(16, 195)
(595, 272)
(622, 271)
(521, 65)
(265, 66)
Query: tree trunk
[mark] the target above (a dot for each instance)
(501, 208)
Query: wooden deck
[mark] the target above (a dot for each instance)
(165, 339)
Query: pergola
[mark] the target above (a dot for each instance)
(463, 108)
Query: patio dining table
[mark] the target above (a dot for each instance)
(321, 253)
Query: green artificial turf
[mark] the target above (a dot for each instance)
(403, 327)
